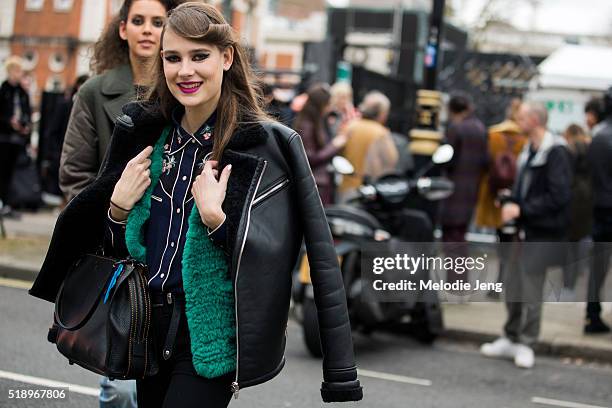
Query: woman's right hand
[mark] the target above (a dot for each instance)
(340, 140)
(133, 182)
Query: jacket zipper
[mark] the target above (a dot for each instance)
(235, 385)
(274, 189)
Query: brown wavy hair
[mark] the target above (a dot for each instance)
(241, 102)
(313, 111)
(111, 50)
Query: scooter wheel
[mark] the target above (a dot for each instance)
(310, 326)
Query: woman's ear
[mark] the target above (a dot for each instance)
(228, 57)
(122, 30)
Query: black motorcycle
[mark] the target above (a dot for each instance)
(378, 213)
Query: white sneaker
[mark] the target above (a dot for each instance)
(524, 357)
(501, 347)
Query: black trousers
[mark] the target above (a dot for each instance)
(177, 383)
(8, 158)
(602, 249)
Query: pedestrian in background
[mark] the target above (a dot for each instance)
(600, 160)
(595, 113)
(15, 125)
(320, 146)
(468, 136)
(341, 108)
(581, 212)
(505, 142)
(370, 147)
(122, 59)
(540, 206)
(54, 138)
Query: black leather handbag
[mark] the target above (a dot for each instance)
(102, 318)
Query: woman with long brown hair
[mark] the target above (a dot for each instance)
(216, 199)
(320, 146)
(122, 60)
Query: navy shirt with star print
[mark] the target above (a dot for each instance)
(171, 203)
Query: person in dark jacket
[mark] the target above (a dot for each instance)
(600, 159)
(540, 205)
(54, 137)
(468, 136)
(206, 190)
(15, 125)
(320, 146)
(581, 206)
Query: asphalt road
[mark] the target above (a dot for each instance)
(395, 372)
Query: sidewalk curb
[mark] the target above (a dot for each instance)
(544, 347)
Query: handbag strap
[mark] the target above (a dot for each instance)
(56, 314)
(90, 312)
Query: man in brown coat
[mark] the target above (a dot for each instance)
(370, 147)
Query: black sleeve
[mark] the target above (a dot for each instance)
(339, 368)
(114, 238)
(559, 187)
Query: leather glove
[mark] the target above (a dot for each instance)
(341, 386)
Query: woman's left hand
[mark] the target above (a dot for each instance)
(209, 193)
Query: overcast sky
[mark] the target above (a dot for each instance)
(566, 16)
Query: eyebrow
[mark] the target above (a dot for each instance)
(190, 51)
(143, 16)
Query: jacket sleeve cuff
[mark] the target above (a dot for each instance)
(218, 235)
(341, 391)
(115, 235)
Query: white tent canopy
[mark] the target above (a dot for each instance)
(577, 67)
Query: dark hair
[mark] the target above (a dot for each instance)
(596, 107)
(312, 111)
(111, 50)
(459, 103)
(267, 89)
(240, 101)
(77, 84)
(575, 134)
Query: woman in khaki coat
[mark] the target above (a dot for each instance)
(122, 60)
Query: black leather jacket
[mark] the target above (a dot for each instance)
(271, 204)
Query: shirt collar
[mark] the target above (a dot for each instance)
(202, 136)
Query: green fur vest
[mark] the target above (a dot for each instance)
(209, 294)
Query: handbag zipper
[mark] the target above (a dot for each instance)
(145, 329)
(235, 385)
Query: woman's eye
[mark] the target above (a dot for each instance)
(137, 21)
(200, 57)
(172, 58)
(159, 23)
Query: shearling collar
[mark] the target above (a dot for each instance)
(141, 114)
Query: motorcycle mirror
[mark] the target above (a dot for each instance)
(342, 165)
(443, 154)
